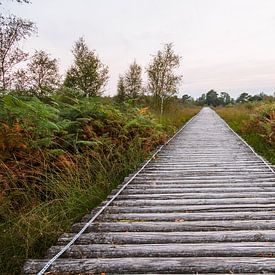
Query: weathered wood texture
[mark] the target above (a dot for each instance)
(204, 205)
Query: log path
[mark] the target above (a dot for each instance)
(205, 204)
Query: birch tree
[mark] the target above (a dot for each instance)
(88, 73)
(163, 81)
(133, 81)
(12, 31)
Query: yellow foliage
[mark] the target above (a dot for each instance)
(143, 110)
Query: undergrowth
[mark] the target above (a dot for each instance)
(255, 122)
(61, 157)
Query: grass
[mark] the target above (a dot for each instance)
(175, 118)
(49, 184)
(249, 122)
(29, 232)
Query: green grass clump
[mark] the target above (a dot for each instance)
(61, 157)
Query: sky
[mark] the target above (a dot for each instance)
(226, 45)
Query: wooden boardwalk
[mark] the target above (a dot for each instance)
(205, 204)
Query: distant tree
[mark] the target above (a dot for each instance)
(258, 97)
(212, 98)
(185, 98)
(121, 94)
(244, 97)
(225, 99)
(21, 81)
(133, 81)
(201, 100)
(41, 76)
(12, 31)
(87, 74)
(162, 80)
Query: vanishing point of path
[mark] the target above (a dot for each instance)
(204, 204)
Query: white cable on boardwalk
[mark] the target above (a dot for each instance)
(66, 247)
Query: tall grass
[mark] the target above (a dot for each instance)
(175, 116)
(28, 232)
(255, 122)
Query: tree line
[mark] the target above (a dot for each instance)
(213, 98)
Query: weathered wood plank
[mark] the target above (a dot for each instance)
(189, 195)
(192, 208)
(147, 202)
(129, 226)
(167, 190)
(170, 265)
(194, 169)
(220, 185)
(204, 180)
(171, 237)
(246, 249)
(213, 216)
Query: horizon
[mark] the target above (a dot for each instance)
(225, 46)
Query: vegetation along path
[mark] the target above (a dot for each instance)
(204, 204)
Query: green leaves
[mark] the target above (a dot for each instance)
(79, 124)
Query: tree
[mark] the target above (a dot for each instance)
(121, 94)
(212, 98)
(133, 81)
(244, 97)
(225, 99)
(43, 73)
(185, 98)
(21, 81)
(258, 97)
(87, 74)
(12, 31)
(41, 76)
(162, 80)
(201, 100)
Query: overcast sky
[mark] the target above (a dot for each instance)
(226, 45)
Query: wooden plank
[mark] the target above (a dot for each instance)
(167, 190)
(212, 216)
(192, 208)
(180, 226)
(248, 176)
(170, 237)
(189, 195)
(203, 180)
(245, 249)
(170, 265)
(221, 185)
(147, 202)
(182, 169)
